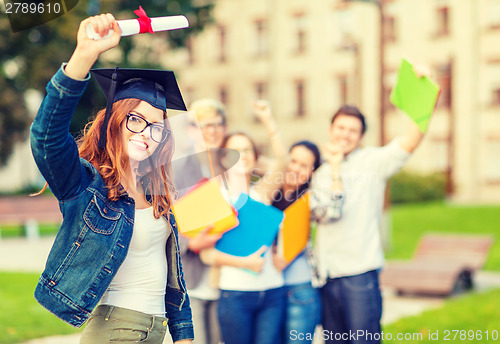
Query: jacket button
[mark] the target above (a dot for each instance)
(164, 323)
(105, 211)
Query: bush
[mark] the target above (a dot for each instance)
(26, 190)
(408, 187)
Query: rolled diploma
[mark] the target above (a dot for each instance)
(131, 26)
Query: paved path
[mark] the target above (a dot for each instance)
(30, 256)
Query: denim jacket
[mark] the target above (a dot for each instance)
(95, 234)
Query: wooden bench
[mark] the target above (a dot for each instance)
(442, 265)
(29, 212)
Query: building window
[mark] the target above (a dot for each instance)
(389, 82)
(261, 90)
(300, 33)
(492, 80)
(495, 96)
(443, 78)
(442, 21)
(300, 104)
(390, 29)
(439, 159)
(261, 37)
(388, 106)
(343, 89)
(222, 43)
(223, 95)
(342, 28)
(493, 165)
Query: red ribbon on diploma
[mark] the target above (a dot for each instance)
(144, 21)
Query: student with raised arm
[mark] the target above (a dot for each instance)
(115, 262)
(349, 251)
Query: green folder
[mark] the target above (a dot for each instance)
(416, 96)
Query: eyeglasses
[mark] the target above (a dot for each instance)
(213, 125)
(137, 124)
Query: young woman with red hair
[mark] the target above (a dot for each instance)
(115, 261)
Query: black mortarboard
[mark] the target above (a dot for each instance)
(157, 87)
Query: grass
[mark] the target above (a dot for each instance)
(21, 317)
(11, 231)
(411, 221)
(471, 318)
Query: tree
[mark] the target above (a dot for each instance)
(30, 57)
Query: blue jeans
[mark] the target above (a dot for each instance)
(351, 304)
(303, 313)
(251, 317)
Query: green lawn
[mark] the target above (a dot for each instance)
(410, 222)
(21, 317)
(470, 318)
(11, 231)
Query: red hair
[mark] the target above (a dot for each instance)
(113, 162)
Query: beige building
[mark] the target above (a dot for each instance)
(309, 57)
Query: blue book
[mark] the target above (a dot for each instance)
(259, 225)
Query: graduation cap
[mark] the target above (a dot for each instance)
(157, 87)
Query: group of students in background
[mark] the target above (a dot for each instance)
(334, 281)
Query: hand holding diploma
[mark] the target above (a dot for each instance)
(87, 50)
(143, 24)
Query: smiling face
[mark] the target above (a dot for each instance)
(300, 166)
(213, 131)
(140, 146)
(346, 132)
(244, 146)
(209, 117)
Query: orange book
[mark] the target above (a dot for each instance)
(295, 231)
(204, 205)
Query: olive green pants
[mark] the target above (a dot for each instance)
(110, 324)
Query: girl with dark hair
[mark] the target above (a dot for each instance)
(303, 303)
(303, 159)
(115, 261)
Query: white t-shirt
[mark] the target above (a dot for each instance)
(139, 283)
(352, 245)
(232, 278)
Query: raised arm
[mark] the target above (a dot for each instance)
(334, 156)
(54, 149)
(273, 178)
(88, 50)
(326, 204)
(410, 140)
